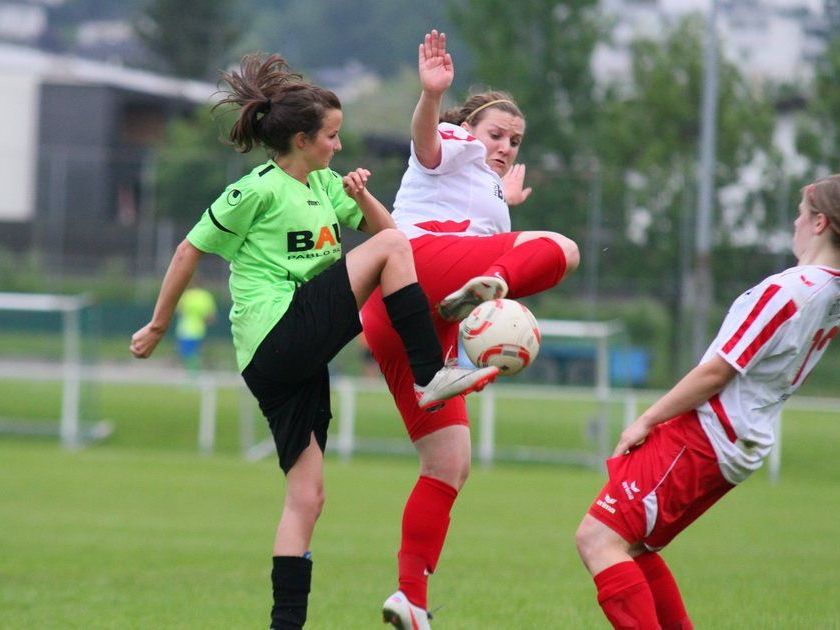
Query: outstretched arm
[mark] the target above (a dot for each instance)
(436, 74)
(695, 388)
(181, 269)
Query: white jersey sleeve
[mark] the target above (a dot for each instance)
(458, 148)
(773, 335)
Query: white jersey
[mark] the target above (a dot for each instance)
(773, 335)
(461, 196)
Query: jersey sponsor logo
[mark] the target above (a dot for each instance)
(313, 202)
(497, 190)
(607, 503)
(234, 197)
(304, 240)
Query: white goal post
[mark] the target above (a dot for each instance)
(69, 307)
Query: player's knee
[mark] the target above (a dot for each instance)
(452, 471)
(585, 539)
(309, 502)
(571, 252)
(393, 242)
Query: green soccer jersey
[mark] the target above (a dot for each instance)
(277, 233)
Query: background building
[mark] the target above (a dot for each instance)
(76, 138)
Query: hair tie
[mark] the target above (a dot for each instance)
(486, 105)
(265, 105)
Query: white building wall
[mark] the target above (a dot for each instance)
(19, 99)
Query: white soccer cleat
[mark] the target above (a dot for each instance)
(401, 613)
(450, 381)
(456, 306)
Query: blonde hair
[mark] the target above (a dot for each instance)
(474, 108)
(823, 196)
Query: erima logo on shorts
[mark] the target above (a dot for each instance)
(607, 503)
(630, 489)
(304, 240)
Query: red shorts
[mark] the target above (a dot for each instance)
(444, 264)
(658, 489)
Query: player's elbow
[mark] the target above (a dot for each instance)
(718, 373)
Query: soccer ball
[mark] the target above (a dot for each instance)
(502, 333)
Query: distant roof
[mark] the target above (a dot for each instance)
(67, 70)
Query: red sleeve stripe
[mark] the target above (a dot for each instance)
(720, 412)
(817, 339)
(768, 294)
(786, 312)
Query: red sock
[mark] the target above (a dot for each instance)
(670, 608)
(625, 597)
(531, 267)
(424, 525)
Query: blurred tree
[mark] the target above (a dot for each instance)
(192, 39)
(382, 35)
(647, 143)
(540, 51)
(818, 132)
(194, 165)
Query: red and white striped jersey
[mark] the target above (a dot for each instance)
(773, 335)
(462, 196)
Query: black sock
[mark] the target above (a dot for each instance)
(408, 309)
(291, 577)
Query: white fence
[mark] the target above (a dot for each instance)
(347, 440)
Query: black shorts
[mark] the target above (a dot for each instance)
(288, 374)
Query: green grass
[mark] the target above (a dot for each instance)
(142, 532)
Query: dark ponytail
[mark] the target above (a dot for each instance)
(274, 104)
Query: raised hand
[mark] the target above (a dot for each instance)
(435, 64)
(514, 183)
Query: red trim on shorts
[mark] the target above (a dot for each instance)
(723, 417)
(660, 487)
(768, 294)
(786, 312)
(444, 226)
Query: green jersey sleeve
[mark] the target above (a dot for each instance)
(346, 209)
(224, 225)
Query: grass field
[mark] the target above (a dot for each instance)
(142, 532)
